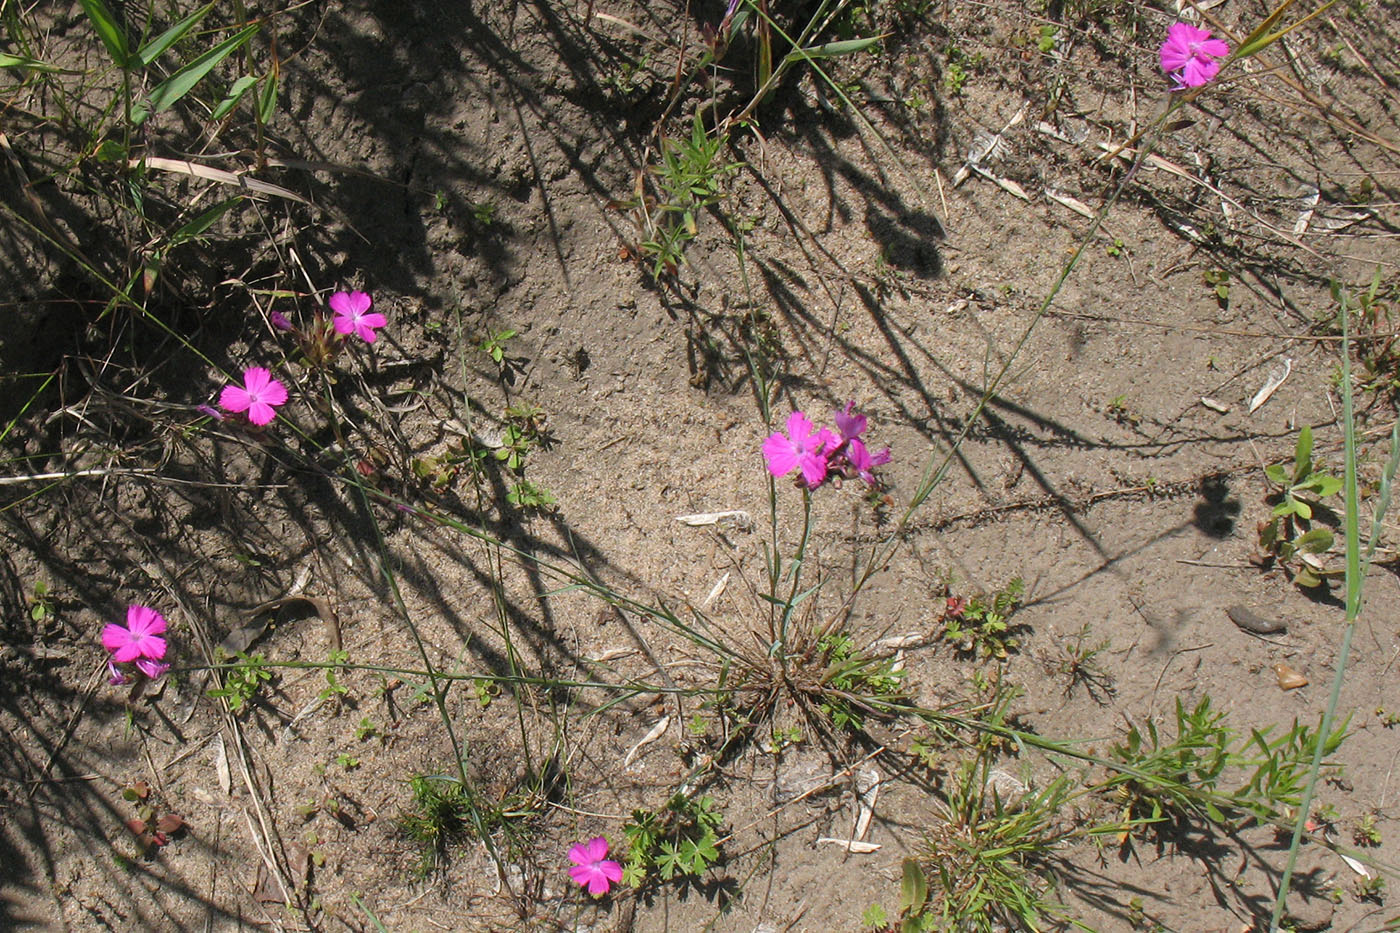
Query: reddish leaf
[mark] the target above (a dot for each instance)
(170, 823)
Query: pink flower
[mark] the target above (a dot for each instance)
(1189, 55)
(849, 422)
(863, 461)
(352, 314)
(279, 321)
(592, 868)
(139, 638)
(258, 395)
(801, 448)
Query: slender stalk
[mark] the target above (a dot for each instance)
(1355, 569)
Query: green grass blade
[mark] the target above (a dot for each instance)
(169, 91)
(235, 94)
(203, 222)
(153, 49)
(267, 100)
(108, 30)
(20, 61)
(1355, 569)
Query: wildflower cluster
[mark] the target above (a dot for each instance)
(260, 393)
(1189, 56)
(138, 641)
(819, 454)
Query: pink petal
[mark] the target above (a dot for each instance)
(151, 669)
(143, 620)
(255, 378)
(778, 451)
(275, 393)
(117, 678)
(799, 429)
(597, 849)
(1185, 33)
(581, 873)
(234, 398)
(127, 652)
(599, 884)
(849, 422)
(1215, 48)
(1174, 57)
(261, 413)
(1197, 72)
(352, 303)
(343, 323)
(364, 332)
(611, 870)
(152, 646)
(579, 856)
(374, 319)
(814, 467)
(340, 303)
(114, 637)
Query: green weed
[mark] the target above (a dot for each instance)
(1289, 537)
(680, 840)
(242, 680)
(980, 625)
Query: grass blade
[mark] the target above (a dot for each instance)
(19, 61)
(108, 30)
(179, 84)
(235, 94)
(153, 49)
(1355, 568)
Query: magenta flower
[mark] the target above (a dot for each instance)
(1189, 55)
(352, 314)
(801, 448)
(139, 638)
(592, 868)
(849, 422)
(258, 395)
(280, 321)
(863, 462)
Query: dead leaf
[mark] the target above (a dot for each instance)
(1288, 678)
(851, 845)
(1277, 376)
(1213, 405)
(221, 766)
(657, 731)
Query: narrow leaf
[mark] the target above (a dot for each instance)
(203, 222)
(235, 94)
(20, 61)
(267, 102)
(831, 50)
(108, 30)
(153, 49)
(183, 81)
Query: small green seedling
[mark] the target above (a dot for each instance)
(1367, 833)
(1289, 535)
(494, 345)
(530, 496)
(1219, 282)
(40, 602)
(366, 729)
(242, 680)
(1045, 38)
